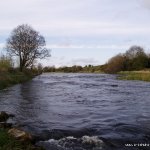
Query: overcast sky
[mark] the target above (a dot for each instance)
(80, 31)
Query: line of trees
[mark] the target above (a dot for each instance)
(74, 69)
(133, 59)
(27, 45)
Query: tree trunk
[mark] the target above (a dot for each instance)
(21, 66)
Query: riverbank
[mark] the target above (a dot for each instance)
(8, 142)
(143, 75)
(12, 138)
(15, 77)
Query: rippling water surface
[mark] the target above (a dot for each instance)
(81, 111)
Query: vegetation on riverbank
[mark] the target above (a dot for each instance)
(134, 59)
(24, 46)
(13, 138)
(75, 69)
(8, 142)
(143, 75)
(10, 75)
(10, 78)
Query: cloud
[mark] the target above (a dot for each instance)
(72, 28)
(80, 28)
(84, 61)
(146, 3)
(63, 61)
(84, 46)
(2, 45)
(74, 18)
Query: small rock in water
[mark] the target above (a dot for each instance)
(20, 135)
(3, 116)
(11, 115)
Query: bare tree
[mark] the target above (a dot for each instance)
(135, 51)
(27, 44)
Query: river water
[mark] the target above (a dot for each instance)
(81, 111)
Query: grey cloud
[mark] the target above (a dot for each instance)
(78, 18)
(65, 17)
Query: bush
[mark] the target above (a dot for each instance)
(115, 64)
(5, 63)
(133, 59)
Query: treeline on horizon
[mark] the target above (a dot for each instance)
(134, 59)
(74, 69)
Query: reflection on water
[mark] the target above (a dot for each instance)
(62, 109)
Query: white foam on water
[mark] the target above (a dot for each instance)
(93, 140)
(71, 138)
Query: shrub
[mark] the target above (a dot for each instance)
(5, 63)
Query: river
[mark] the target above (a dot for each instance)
(81, 111)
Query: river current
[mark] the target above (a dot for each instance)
(82, 111)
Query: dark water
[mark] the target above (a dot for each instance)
(81, 111)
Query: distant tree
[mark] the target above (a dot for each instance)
(134, 51)
(133, 59)
(148, 55)
(49, 69)
(75, 68)
(27, 44)
(79, 68)
(40, 67)
(136, 58)
(115, 64)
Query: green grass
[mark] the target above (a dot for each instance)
(9, 143)
(10, 75)
(143, 75)
(7, 79)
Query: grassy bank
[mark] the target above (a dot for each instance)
(9, 143)
(143, 75)
(10, 78)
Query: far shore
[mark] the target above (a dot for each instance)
(8, 79)
(142, 75)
